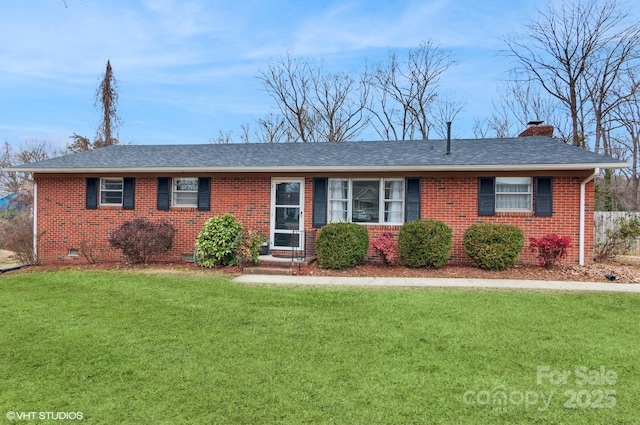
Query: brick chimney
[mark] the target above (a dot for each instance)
(537, 129)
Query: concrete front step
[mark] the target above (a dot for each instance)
(275, 266)
(269, 270)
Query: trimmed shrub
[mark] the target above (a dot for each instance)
(217, 241)
(141, 239)
(387, 248)
(342, 245)
(493, 246)
(551, 249)
(425, 243)
(249, 243)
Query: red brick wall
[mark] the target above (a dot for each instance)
(64, 223)
(454, 201)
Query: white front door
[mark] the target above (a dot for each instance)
(287, 201)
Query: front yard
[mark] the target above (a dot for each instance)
(194, 347)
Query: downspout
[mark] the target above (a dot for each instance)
(35, 221)
(583, 186)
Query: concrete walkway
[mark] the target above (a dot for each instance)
(416, 282)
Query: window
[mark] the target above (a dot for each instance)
(366, 200)
(185, 192)
(111, 191)
(338, 200)
(393, 201)
(513, 194)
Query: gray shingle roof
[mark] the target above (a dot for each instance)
(419, 155)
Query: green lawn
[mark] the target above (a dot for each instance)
(130, 347)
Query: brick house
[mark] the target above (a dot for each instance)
(289, 191)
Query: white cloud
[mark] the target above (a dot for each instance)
(358, 26)
(182, 62)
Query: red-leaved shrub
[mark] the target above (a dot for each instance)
(387, 247)
(551, 248)
(141, 239)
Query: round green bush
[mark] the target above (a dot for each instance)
(342, 245)
(217, 241)
(425, 243)
(493, 246)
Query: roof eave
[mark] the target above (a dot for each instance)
(325, 169)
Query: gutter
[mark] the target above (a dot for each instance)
(583, 186)
(319, 168)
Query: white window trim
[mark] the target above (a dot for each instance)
(174, 191)
(381, 199)
(529, 193)
(345, 200)
(385, 200)
(111, 204)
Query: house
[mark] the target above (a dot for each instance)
(289, 191)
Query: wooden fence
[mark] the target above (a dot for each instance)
(605, 220)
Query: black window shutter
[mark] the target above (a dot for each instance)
(486, 196)
(91, 199)
(543, 197)
(412, 199)
(128, 193)
(320, 194)
(164, 184)
(204, 193)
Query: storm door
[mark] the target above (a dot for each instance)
(287, 201)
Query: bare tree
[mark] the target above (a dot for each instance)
(273, 129)
(223, 138)
(245, 133)
(606, 79)
(519, 103)
(398, 99)
(21, 182)
(316, 106)
(498, 124)
(340, 103)
(405, 91)
(289, 81)
(446, 109)
(9, 182)
(559, 50)
(107, 101)
(527, 104)
(627, 145)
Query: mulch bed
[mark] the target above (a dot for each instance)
(624, 271)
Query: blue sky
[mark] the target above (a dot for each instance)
(187, 68)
